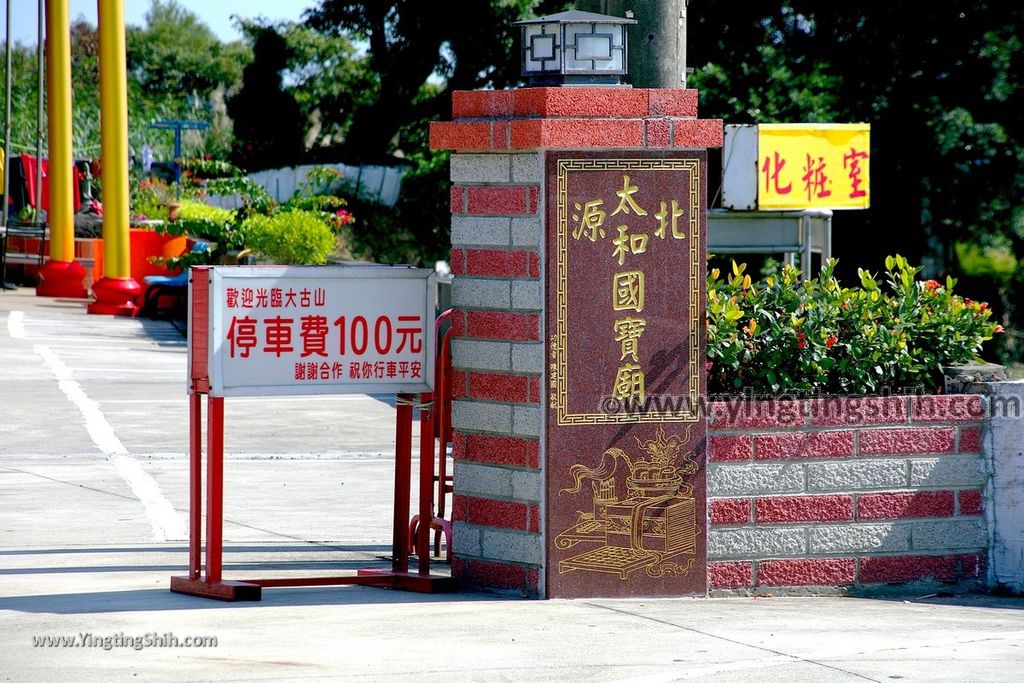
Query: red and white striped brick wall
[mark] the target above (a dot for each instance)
(846, 492)
(498, 357)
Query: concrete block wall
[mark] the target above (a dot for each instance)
(846, 493)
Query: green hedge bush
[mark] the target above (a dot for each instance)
(783, 335)
(297, 236)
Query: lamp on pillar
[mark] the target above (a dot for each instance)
(574, 48)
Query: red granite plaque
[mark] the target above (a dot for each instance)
(626, 476)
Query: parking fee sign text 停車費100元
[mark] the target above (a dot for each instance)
(305, 330)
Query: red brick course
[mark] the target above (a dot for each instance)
(504, 326)
(460, 508)
(908, 568)
(565, 118)
(757, 415)
(730, 511)
(580, 102)
(797, 446)
(572, 133)
(499, 387)
(835, 571)
(789, 509)
(498, 575)
(970, 440)
(861, 411)
(498, 200)
(721, 448)
(460, 135)
(460, 383)
(497, 513)
(970, 502)
(497, 263)
(457, 261)
(501, 135)
(659, 133)
(497, 450)
(908, 440)
(949, 408)
(458, 199)
(534, 264)
(901, 505)
(731, 574)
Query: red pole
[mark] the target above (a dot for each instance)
(214, 488)
(426, 483)
(403, 481)
(195, 483)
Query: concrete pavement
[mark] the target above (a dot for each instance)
(93, 502)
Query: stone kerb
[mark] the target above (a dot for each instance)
(854, 493)
(498, 139)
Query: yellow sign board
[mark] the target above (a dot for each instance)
(813, 166)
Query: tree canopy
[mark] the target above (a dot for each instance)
(940, 84)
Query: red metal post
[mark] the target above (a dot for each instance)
(426, 483)
(403, 481)
(195, 483)
(214, 488)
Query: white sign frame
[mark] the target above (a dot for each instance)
(365, 283)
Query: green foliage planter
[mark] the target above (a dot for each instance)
(299, 237)
(782, 335)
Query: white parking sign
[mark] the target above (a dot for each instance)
(278, 330)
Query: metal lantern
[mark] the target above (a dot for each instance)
(574, 48)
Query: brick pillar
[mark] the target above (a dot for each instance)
(497, 231)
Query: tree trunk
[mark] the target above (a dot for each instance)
(657, 42)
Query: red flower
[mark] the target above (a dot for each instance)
(801, 340)
(968, 302)
(999, 328)
(831, 341)
(931, 285)
(983, 307)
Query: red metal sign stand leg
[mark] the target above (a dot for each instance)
(403, 481)
(426, 483)
(214, 488)
(195, 483)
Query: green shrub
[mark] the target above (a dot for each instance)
(782, 334)
(201, 220)
(149, 199)
(292, 237)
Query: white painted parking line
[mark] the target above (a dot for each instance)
(168, 524)
(16, 325)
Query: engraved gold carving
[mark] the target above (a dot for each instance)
(652, 525)
(587, 222)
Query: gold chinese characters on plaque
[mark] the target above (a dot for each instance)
(627, 284)
(625, 435)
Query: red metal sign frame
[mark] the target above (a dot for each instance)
(211, 583)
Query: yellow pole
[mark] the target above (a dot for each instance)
(116, 292)
(61, 276)
(58, 62)
(114, 138)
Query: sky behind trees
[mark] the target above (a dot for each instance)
(216, 15)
